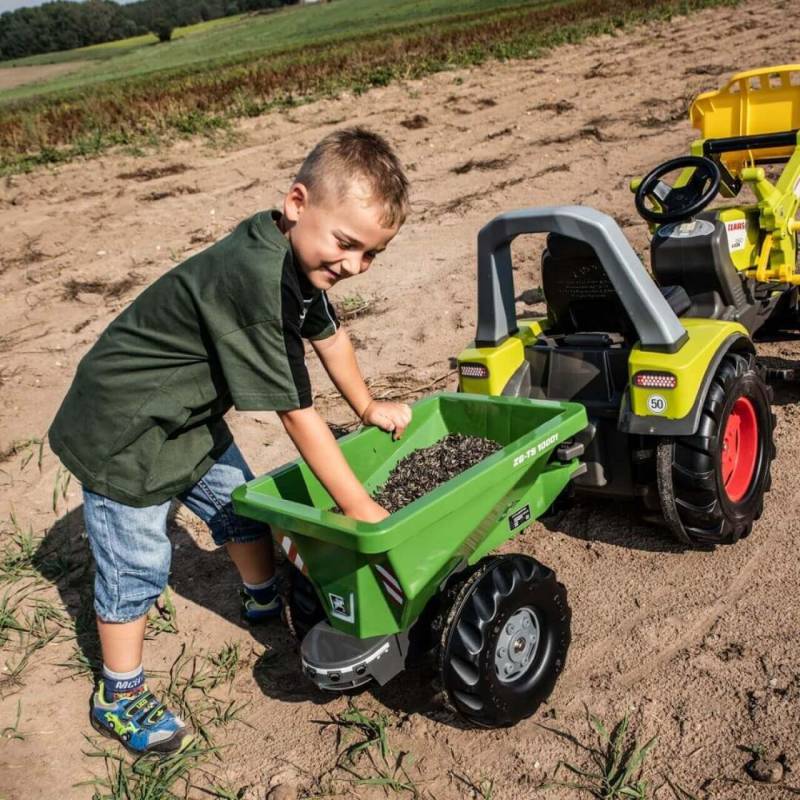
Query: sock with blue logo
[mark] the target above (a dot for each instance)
(117, 684)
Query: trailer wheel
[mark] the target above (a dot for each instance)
(712, 484)
(504, 641)
(303, 610)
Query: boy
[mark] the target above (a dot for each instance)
(143, 423)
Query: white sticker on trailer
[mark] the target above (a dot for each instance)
(534, 451)
(737, 234)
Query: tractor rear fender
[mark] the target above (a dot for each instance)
(657, 326)
(662, 411)
(489, 370)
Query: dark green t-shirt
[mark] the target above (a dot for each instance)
(143, 419)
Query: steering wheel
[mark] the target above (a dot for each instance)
(685, 201)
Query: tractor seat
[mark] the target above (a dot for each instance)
(581, 298)
(579, 295)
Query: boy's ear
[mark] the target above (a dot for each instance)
(296, 202)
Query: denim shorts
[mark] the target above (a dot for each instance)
(131, 549)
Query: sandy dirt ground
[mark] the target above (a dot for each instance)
(11, 77)
(699, 649)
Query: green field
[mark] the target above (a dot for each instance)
(137, 91)
(256, 35)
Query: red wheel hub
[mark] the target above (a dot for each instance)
(739, 449)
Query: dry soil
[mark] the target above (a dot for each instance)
(700, 649)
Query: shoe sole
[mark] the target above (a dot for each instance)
(109, 734)
(267, 617)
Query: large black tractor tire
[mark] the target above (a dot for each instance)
(504, 640)
(302, 610)
(712, 484)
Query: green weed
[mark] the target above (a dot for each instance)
(192, 677)
(483, 788)
(226, 661)
(617, 763)
(13, 731)
(162, 617)
(11, 618)
(352, 306)
(60, 486)
(148, 777)
(82, 665)
(17, 558)
(362, 741)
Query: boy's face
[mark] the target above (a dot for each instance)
(334, 239)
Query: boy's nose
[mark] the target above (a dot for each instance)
(351, 266)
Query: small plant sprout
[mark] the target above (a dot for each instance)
(362, 741)
(617, 764)
(13, 731)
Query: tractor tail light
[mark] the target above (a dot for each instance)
(655, 380)
(471, 370)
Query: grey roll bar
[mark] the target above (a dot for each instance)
(656, 324)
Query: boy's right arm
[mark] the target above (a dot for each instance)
(319, 450)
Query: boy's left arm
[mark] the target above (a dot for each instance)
(339, 359)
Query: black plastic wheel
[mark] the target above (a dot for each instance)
(712, 484)
(504, 640)
(303, 610)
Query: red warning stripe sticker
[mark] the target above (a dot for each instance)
(391, 584)
(290, 548)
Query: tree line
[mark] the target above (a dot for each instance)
(64, 25)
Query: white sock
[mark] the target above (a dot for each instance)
(254, 587)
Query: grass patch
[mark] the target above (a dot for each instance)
(616, 767)
(148, 777)
(27, 448)
(364, 752)
(162, 617)
(354, 305)
(18, 556)
(204, 98)
(191, 679)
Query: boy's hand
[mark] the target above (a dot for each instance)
(368, 511)
(393, 417)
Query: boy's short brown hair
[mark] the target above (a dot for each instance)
(352, 153)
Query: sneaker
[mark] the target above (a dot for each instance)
(140, 722)
(255, 613)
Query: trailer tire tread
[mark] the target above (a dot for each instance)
(473, 614)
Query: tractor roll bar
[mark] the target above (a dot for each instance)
(755, 142)
(656, 324)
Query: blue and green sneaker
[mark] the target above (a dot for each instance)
(266, 607)
(140, 722)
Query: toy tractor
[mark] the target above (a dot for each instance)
(628, 387)
(666, 369)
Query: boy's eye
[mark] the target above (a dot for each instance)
(344, 245)
(369, 255)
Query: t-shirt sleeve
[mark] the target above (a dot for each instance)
(320, 321)
(264, 366)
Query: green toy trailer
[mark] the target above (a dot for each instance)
(365, 598)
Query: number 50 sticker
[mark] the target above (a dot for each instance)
(657, 404)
